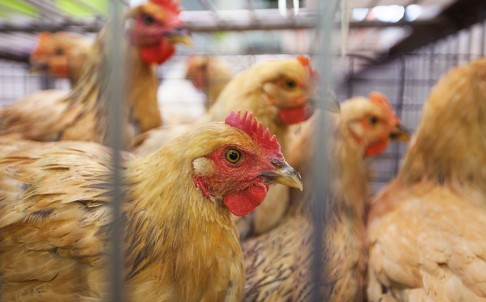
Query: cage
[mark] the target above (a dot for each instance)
(264, 30)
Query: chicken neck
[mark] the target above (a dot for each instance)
(169, 221)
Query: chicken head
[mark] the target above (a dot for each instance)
(155, 28)
(371, 123)
(255, 163)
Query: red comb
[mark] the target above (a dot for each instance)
(42, 39)
(305, 61)
(255, 129)
(171, 5)
(380, 99)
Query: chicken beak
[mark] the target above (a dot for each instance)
(284, 174)
(180, 36)
(400, 133)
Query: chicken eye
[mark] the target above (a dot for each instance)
(233, 156)
(373, 120)
(59, 52)
(147, 19)
(291, 84)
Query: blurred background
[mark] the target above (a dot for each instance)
(399, 48)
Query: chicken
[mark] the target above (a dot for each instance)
(61, 54)
(426, 228)
(152, 29)
(179, 241)
(210, 75)
(278, 263)
(278, 93)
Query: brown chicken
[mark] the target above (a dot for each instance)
(426, 228)
(210, 75)
(61, 54)
(278, 93)
(152, 29)
(278, 263)
(179, 241)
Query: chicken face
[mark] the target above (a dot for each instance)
(372, 123)
(291, 90)
(155, 28)
(52, 52)
(45, 53)
(238, 174)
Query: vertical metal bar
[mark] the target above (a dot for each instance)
(450, 53)
(483, 34)
(457, 49)
(350, 78)
(431, 62)
(114, 72)
(324, 27)
(468, 54)
(399, 107)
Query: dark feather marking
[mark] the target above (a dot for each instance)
(441, 178)
(25, 186)
(142, 258)
(384, 289)
(57, 169)
(40, 214)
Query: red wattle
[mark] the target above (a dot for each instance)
(157, 54)
(376, 148)
(294, 115)
(243, 202)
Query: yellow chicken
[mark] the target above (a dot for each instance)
(278, 263)
(180, 243)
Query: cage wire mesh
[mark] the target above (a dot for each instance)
(406, 81)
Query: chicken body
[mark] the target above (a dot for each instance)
(279, 263)
(426, 227)
(82, 114)
(209, 74)
(179, 241)
(61, 54)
